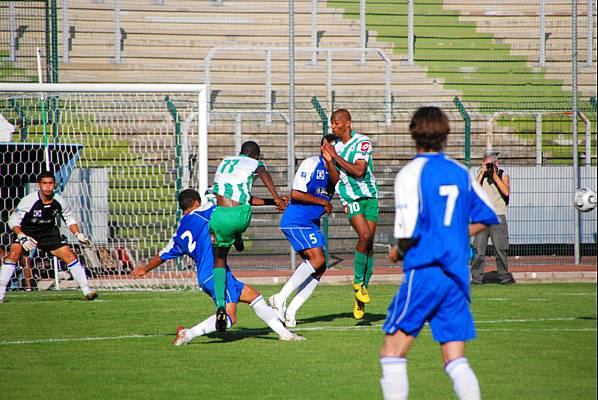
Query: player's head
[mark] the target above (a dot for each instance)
(251, 149)
(330, 138)
(47, 183)
(340, 122)
(429, 128)
(189, 199)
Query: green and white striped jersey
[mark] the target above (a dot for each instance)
(234, 178)
(350, 188)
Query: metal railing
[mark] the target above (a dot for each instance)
(267, 51)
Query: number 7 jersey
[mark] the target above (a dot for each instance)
(234, 178)
(435, 201)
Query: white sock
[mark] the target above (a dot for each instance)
(303, 271)
(303, 293)
(5, 274)
(79, 275)
(206, 326)
(268, 315)
(465, 382)
(394, 382)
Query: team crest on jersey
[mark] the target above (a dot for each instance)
(365, 147)
(303, 174)
(37, 213)
(320, 174)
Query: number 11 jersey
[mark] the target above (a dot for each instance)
(234, 178)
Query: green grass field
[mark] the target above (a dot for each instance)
(534, 342)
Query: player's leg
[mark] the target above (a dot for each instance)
(465, 383)
(393, 360)
(362, 249)
(220, 255)
(317, 257)
(480, 241)
(8, 267)
(369, 266)
(65, 254)
(264, 312)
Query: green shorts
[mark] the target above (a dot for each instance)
(226, 221)
(367, 206)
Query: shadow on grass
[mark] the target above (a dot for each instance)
(238, 334)
(368, 319)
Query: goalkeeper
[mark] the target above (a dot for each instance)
(232, 187)
(193, 239)
(35, 223)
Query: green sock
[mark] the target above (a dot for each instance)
(369, 269)
(220, 285)
(359, 265)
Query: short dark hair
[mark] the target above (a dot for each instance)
(187, 197)
(45, 174)
(429, 128)
(341, 113)
(250, 148)
(331, 137)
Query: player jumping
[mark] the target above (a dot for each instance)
(438, 206)
(193, 239)
(35, 223)
(358, 191)
(313, 188)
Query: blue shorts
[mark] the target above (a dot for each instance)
(429, 295)
(304, 237)
(233, 290)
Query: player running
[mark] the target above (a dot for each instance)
(438, 206)
(313, 187)
(358, 191)
(35, 223)
(192, 238)
(232, 187)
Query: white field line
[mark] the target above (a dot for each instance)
(375, 327)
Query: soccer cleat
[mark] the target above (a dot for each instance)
(238, 243)
(361, 292)
(91, 295)
(358, 309)
(182, 336)
(221, 319)
(278, 306)
(290, 321)
(293, 338)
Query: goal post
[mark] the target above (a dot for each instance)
(121, 153)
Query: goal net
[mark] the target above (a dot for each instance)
(120, 154)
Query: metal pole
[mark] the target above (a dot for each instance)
(542, 55)
(576, 219)
(410, 32)
(538, 139)
(329, 80)
(65, 31)
(314, 32)
(291, 135)
(238, 133)
(12, 23)
(590, 33)
(362, 41)
(117, 32)
(268, 87)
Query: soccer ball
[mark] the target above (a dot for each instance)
(584, 199)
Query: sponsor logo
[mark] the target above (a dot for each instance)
(320, 175)
(365, 146)
(304, 174)
(37, 213)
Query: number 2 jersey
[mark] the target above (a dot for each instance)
(192, 238)
(435, 201)
(234, 178)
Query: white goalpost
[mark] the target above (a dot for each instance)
(121, 153)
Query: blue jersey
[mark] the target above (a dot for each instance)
(312, 177)
(193, 239)
(435, 201)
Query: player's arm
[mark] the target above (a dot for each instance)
(14, 223)
(397, 252)
(333, 174)
(476, 228)
(356, 169)
(308, 198)
(267, 179)
(143, 269)
(71, 222)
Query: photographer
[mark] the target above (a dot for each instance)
(496, 185)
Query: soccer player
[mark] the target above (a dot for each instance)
(438, 206)
(35, 223)
(313, 187)
(192, 238)
(358, 191)
(232, 187)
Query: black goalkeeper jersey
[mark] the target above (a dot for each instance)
(36, 218)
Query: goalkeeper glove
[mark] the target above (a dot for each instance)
(84, 240)
(27, 242)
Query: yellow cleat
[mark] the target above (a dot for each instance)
(358, 309)
(361, 292)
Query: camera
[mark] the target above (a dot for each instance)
(490, 168)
